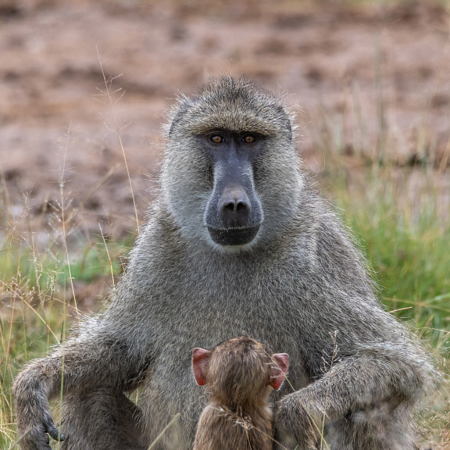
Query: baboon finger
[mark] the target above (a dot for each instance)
(54, 432)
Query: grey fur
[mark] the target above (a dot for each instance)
(299, 282)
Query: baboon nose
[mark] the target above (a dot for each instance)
(234, 207)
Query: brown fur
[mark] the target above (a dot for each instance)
(238, 415)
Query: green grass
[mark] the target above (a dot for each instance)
(409, 251)
(37, 303)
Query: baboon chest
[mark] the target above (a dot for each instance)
(170, 389)
(202, 305)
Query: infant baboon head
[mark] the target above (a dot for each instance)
(239, 370)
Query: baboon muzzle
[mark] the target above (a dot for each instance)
(234, 214)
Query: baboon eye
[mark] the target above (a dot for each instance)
(249, 139)
(217, 139)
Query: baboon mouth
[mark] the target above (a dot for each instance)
(233, 236)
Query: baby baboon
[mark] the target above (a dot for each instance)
(240, 374)
(238, 242)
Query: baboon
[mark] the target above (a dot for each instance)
(240, 374)
(238, 242)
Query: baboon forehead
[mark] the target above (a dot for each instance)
(234, 105)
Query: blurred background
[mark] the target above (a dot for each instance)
(84, 90)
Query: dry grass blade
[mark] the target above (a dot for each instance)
(109, 94)
(160, 435)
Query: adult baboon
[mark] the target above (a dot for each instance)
(240, 374)
(238, 242)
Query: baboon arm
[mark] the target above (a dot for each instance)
(385, 374)
(78, 366)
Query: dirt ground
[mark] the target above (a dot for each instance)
(330, 59)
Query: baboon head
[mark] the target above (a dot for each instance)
(239, 370)
(231, 174)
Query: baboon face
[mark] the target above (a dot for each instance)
(233, 214)
(231, 173)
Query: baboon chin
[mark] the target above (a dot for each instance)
(233, 236)
(287, 273)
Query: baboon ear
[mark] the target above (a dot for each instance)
(200, 358)
(278, 369)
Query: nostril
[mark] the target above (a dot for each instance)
(234, 207)
(241, 206)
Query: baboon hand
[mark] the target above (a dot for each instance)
(34, 419)
(298, 422)
(31, 391)
(36, 436)
(51, 429)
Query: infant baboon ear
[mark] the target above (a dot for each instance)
(200, 360)
(278, 370)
